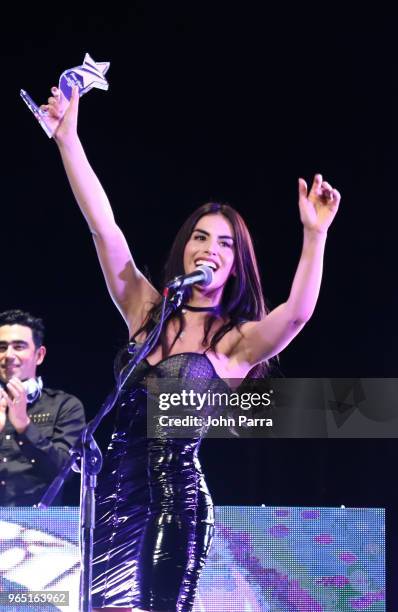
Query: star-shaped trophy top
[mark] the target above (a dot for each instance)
(87, 76)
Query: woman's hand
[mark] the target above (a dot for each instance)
(318, 207)
(61, 115)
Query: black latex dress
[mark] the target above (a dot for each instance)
(154, 513)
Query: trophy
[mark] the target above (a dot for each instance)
(87, 76)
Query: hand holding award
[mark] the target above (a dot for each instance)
(85, 77)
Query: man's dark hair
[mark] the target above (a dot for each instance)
(19, 317)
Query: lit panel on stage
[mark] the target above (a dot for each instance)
(262, 559)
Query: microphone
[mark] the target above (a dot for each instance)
(203, 275)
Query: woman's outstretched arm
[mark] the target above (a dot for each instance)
(130, 290)
(264, 339)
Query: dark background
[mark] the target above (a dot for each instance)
(211, 102)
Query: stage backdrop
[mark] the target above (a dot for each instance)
(262, 559)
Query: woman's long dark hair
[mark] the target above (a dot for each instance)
(242, 298)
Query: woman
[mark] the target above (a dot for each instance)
(154, 514)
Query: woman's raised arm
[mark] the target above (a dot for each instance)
(263, 339)
(130, 290)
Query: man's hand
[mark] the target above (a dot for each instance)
(17, 405)
(3, 408)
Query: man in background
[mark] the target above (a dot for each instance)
(38, 425)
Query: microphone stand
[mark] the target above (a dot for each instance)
(87, 452)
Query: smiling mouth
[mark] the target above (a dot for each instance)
(209, 264)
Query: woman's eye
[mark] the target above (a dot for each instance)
(199, 237)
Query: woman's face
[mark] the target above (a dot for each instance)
(211, 244)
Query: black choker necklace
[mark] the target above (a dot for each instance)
(214, 309)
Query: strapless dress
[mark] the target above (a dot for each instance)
(154, 514)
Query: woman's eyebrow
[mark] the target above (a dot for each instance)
(197, 229)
